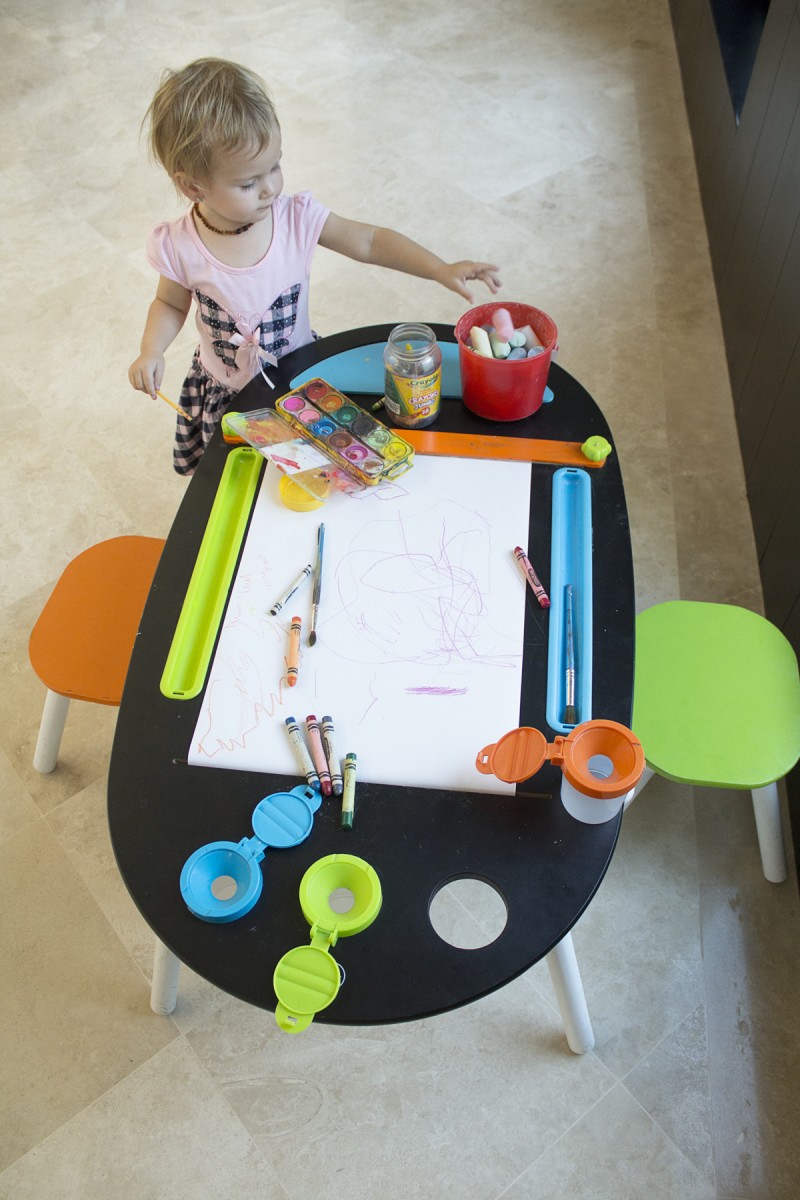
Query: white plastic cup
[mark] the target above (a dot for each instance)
(590, 809)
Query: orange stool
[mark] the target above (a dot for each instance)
(81, 644)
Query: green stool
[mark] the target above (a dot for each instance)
(717, 704)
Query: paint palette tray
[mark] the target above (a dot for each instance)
(351, 438)
(296, 457)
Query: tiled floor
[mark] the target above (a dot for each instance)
(551, 138)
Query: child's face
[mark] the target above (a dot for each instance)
(243, 186)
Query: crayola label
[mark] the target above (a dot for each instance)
(413, 399)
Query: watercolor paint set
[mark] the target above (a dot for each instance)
(353, 439)
(322, 440)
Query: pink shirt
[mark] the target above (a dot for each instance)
(244, 313)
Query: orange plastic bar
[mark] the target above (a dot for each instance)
(511, 449)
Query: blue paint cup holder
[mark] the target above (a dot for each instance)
(223, 880)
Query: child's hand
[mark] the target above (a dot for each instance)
(146, 373)
(456, 275)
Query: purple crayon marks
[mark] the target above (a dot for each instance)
(318, 754)
(436, 691)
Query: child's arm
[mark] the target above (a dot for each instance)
(386, 248)
(165, 319)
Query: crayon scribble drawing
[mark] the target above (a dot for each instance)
(419, 649)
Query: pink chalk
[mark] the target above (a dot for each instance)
(501, 319)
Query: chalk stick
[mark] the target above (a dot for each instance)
(530, 337)
(500, 348)
(501, 319)
(479, 340)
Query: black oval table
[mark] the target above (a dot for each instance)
(545, 865)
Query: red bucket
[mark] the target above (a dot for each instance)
(494, 387)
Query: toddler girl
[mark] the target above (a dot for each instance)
(243, 250)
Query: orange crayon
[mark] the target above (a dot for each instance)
(293, 662)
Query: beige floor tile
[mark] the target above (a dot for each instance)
(639, 945)
(165, 1130)
(615, 1152)
(671, 1084)
(752, 979)
(74, 1020)
(449, 1107)
(553, 140)
(17, 809)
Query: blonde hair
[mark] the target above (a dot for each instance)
(211, 105)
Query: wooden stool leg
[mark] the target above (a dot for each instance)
(767, 808)
(54, 717)
(166, 969)
(566, 979)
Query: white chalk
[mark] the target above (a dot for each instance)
(479, 340)
(517, 339)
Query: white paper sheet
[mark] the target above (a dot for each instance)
(419, 649)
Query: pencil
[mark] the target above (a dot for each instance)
(177, 407)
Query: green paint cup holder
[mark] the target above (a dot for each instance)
(340, 895)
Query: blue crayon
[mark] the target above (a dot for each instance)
(334, 766)
(303, 757)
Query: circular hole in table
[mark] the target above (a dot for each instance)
(468, 913)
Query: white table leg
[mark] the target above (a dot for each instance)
(166, 969)
(767, 808)
(54, 717)
(563, 967)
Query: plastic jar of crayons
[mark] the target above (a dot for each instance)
(412, 376)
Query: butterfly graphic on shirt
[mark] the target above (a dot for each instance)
(274, 327)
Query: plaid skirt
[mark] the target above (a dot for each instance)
(205, 400)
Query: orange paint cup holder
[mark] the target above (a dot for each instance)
(601, 763)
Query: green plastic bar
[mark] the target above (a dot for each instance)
(196, 632)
